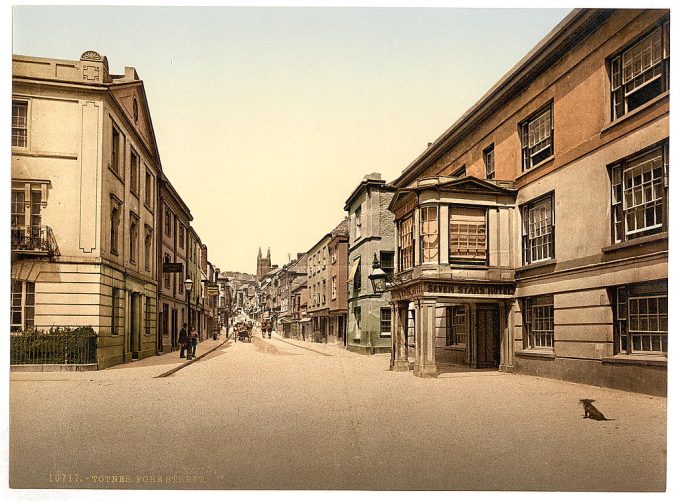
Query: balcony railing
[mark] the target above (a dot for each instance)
(34, 240)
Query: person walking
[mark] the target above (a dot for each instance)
(183, 338)
(269, 329)
(193, 338)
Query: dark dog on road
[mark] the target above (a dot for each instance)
(592, 412)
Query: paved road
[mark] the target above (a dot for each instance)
(270, 415)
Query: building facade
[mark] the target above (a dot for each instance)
(371, 236)
(174, 220)
(337, 278)
(83, 211)
(532, 236)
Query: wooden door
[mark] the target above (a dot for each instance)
(488, 336)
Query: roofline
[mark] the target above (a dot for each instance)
(541, 56)
(364, 183)
(165, 183)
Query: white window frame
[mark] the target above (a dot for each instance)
(538, 230)
(16, 125)
(430, 237)
(386, 332)
(539, 322)
(537, 137)
(25, 309)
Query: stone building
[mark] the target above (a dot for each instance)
(83, 203)
(371, 236)
(174, 220)
(264, 264)
(532, 235)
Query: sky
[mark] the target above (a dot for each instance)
(266, 119)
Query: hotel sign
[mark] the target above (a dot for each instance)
(449, 288)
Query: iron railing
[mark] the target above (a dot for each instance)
(34, 240)
(53, 348)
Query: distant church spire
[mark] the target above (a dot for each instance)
(268, 254)
(259, 253)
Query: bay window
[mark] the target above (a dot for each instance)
(406, 243)
(429, 234)
(467, 235)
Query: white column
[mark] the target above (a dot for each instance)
(425, 365)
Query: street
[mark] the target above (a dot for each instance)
(273, 414)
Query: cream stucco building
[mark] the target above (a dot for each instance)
(84, 197)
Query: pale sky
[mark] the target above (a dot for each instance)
(267, 118)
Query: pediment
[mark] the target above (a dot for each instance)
(132, 100)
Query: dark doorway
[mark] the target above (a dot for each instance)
(488, 336)
(134, 326)
(173, 328)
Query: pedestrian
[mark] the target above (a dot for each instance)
(183, 338)
(193, 337)
(269, 329)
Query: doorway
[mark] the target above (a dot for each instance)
(134, 324)
(488, 336)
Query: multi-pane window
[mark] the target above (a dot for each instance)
(406, 244)
(641, 72)
(489, 163)
(147, 316)
(148, 245)
(334, 287)
(115, 148)
(357, 223)
(456, 325)
(134, 172)
(22, 306)
(385, 322)
(538, 228)
(20, 123)
(429, 234)
(180, 239)
(387, 264)
(639, 195)
(148, 189)
(467, 234)
(115, 225)
(539, 322)
(642, 319)
(459, 172)
(537, 138)
(134, 237)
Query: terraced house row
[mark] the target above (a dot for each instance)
(99, 235)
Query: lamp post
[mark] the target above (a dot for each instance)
(378, 277)
(188, 285)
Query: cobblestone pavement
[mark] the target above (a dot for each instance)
(272, 414)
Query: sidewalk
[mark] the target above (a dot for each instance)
(171, 360)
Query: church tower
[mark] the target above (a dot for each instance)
(264, 265)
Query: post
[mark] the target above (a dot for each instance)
(189, 341)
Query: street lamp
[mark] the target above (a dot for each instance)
(188, 285)
(378, 277)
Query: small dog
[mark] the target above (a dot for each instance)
(591, 412)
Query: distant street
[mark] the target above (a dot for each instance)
(273, 415)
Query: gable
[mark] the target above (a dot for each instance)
(132, 100)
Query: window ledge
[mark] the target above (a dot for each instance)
(648, 360)
(636, 241)
(548, 355)
(535, 167)
(618, 121)
(540, 264)
(118, 176)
